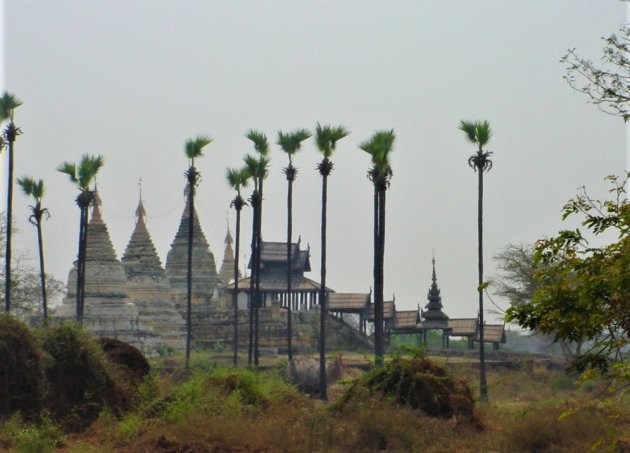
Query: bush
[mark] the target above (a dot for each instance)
(81, 380)
(25, 438)
(21, 370)
(418, 383)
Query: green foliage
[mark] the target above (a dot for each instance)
(33, 188)
(261, 144)
(8, 103)
(418, 383)
(326, 138)
(83, 174)
(193, 147)
(478, 132)
(237, 178)
(584, 289)
(23, 437)
(378, 147)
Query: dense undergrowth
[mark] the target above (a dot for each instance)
(214, 408)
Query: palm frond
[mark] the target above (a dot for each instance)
(28, 185)
(237, 178)
(193, 147)
(251, 166)
(378, 147)
(69, 169)
(468, 127)
(483, 133)
(291, 142)
(326, 137)
(89, 166)
(261, 145)
(8, 103)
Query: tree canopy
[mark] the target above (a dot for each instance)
(583, 291)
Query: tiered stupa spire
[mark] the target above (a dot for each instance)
(227, 267)
(434, 307)
(148, 286)
(108, 310)
(204, 278)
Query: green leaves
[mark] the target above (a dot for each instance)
(326, 138)
(193, 147)
(478, 132)
(378, 147)
(583, 290)
(291, 142)
(33, 188)
(261, 145)
(237, 178)
(8, 103)
(83, 174)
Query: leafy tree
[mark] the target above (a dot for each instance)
(584, 289)
(379, 147)
(26, 285)
(479, 133)
(8, 104)
(237, 179)
(607, 86)
(193, 148)
(290, 143)
(326, 138)
(257, 167)
(82, 176)
(35, 189)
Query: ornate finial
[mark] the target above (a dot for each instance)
(433, 261)
(299, 240)
(140, 211)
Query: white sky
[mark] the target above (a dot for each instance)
(133, 79)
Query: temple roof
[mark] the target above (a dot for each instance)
(388, 310)
(227, 266)
(434, 307)
(140, 257)
(348, 302)
(99, 245)
(405, 319)
(275, 254)
(279, 284)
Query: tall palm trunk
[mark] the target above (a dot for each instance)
(290, 178)
(379, 321)
(191, 211)
(252, 275)
(42, 270)
(83, 229)
(238, 205)
(10, 133)
(323, 305)
(483, 387)
(258, 293)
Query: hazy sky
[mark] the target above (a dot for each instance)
(133, 79)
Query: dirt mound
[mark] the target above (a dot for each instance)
(303, 372)
(131, 361)
(21, 370)
(418, 383)
(81, 380)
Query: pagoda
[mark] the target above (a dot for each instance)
(205, 279)
(226, 274)
(108, 311)
(147, 286)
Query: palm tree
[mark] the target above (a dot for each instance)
(82, 176)
(290, 143)
(236, 179)
(35, 189)
(8, 104)
(479, 133)
(257, 168)
(379, 147)
(193, 148)
(326, 138)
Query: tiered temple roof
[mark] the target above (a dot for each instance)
(108, 311)
(434, 316)
(204, 277)
(148, 287)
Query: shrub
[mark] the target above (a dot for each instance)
(21, 370)
(418, 383)
(23, 437)
(81, 380)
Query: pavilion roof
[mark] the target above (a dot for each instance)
(276, 252)
(348, 302)
(463, 327)
(273, 283)
(388, 310)
(493, 333)
(405, 319)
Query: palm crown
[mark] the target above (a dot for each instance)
(261, 145)
(82, 175)
(379, 147)
(290, 142)
(8, 103)
(479, 133)
(326, 138)
(194, 147)
(237, 178)
(32, 188)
